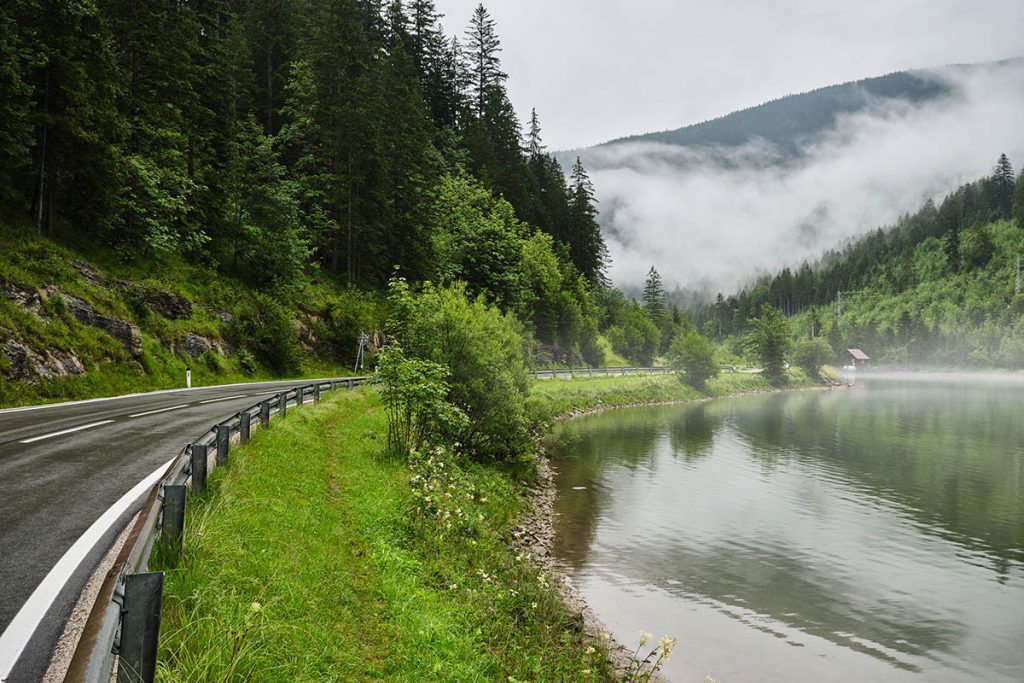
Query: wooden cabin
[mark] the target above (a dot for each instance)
(857, 358)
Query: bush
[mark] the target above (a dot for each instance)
(811, 354)
(486, 354)
(769, 340)
(694, 357)
(415, 393)
(636, 337)
(264, 329)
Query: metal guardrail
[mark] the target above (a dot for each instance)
(570, 373)
(122, 628)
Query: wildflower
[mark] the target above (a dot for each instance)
(590, 649)
(645, 637)
(533, 605)
(667, 643)
(256, 607)
(586, 673)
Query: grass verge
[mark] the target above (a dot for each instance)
(315, 557)
(306, 560)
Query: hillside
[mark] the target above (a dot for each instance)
(790, 122)
(941, 287)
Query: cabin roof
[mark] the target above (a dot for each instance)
(858, 354)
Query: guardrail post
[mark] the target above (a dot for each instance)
(316, 393)
(282, 403)
(198, 467)
(264, 414)
(244, 426)
(223, 444)
(173, 522)
(140, 627)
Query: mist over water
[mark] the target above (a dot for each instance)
(713, 218)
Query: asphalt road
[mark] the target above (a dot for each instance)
(63, 466)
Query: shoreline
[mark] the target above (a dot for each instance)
(535, 531)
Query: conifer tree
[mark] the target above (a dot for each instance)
(482, 64)
(1003, 181)
(17, 53)
(534, 144)
(271, 30)
(654, 296)
(587, 249)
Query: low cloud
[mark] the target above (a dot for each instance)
(715, 218)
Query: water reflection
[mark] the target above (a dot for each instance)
(880, 530)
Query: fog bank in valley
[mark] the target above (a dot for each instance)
(713, 218)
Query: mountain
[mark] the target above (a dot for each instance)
(789, 123)
(714, 204)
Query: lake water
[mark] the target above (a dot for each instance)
(869, 534)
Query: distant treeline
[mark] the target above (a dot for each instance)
(940, 285)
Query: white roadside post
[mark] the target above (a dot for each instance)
(188, 379)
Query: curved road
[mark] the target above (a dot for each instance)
(62, 466)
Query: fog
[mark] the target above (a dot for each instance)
(937, 376)
(713, 218)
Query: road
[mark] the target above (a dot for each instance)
(63, 466)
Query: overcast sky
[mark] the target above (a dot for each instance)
(601, 69)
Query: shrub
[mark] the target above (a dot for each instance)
(811, 354)
(485, 353)
(770, 341)
(264, 328)
(693, 357)
(415, 393)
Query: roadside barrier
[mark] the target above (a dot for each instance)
(122, 630)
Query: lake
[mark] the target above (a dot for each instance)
(868, 534)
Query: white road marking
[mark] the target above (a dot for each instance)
(162, 410)
(289, 382)
(66, 431)
(16, 636)
(226, 398)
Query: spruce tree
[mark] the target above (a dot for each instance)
(17, 53)
(1003, 184)
(587, 249)
(654, 296)
(482, 63)
(534, 144)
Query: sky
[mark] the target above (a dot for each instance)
(597, 70)
(602, 69)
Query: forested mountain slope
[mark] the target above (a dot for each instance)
(286, 158)
(942, 287)
(789, 123)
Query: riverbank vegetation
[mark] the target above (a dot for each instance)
(321, 553)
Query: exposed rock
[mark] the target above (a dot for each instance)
(124, 332)
(225, 317)
(23, 297)
(169, 305)
(197, 345)
(89, 274)
(28, 365)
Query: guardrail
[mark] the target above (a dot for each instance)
(122, 630)
(570, 373)
(123, 627)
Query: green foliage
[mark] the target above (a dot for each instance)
(636, 336)
(414, 393)
(693, 357)
(770, 340)
(483, 349)
(477, 240)
(265, 329)
(811, 354)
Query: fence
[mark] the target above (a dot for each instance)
(124, 624)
